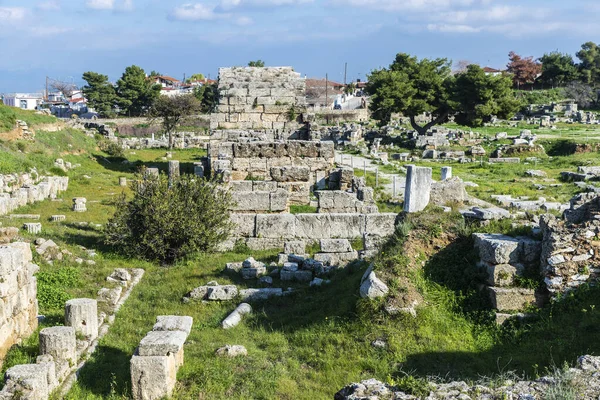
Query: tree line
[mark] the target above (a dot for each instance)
(136, 93)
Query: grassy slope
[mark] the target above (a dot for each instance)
(9, 115)
(305, 346)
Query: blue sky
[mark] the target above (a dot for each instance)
(64, 38)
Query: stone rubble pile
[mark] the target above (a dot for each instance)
(584, 378)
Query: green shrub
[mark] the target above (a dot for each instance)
(112, 148)
(168, 221)
(51, 287)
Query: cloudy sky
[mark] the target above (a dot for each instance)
(64, 38)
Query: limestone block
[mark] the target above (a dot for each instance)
(502, 275)
(241, 186)
(264, 186)
(294, 247)
(290, 174)
(232, 351)
(217, 293)
(173, 323)
(260, 294)
(251, 201)
(110, 296)
(153, 377)
(497, 249)
(163, 343)
(303, 276)
(253, 272)
(347, 226)
(278, 200)
(275, 225)
(511, 299)
(418, 188)
(313, 226)
(446, 173)
(298, 192)
(372, 287)
(327, 150)
(235, 317)
(61, 344)
(58, 218)
(335, 245)
(82, 315)
(27, 381)
(122, 181)
(337, 201)
(120, 274)
(336, 259)
(530, 249)
(258, 244)
(381, 225)
(245, 224)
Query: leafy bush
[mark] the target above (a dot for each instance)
(51, 287)
(167, 222)
(112, 148)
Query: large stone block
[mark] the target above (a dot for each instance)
(511, 299)
(497, 249)
(173, 323)
(82, 315)
(418, 188)
(162, 343)
(60, 343)
(276, 225)
(245, 224)
(381, 225)
(153, 377)
(278, 200)
(251, 201)
(335, 246)
(290, 174)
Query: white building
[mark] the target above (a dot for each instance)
(26, 101)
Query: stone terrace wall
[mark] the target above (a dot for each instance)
(293, 165)
(259, 98)
(268, 231)
(18, 295)
(19, 190)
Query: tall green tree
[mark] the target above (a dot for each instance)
(195, 77)
(256, 63)
(208, 95)
(589, 66)
(136, 92)
(172, 110)
(100, 93)
(427, 87)
(478, 96)
(558, 69)
(412, 87)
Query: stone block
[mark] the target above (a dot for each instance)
(27, 381)
(294, 247)
(290, 174)
(221, 292)
(278, 200)
(511, 299)
(60, 343)
(260, 294)
(245, 224)
(530, 250)
(418, 188)
(251, 201)
(275, 225)
(173, 323)
(380, 225)
(33, 227)
(497, 249)
(335, 246)
(372, 287)
(163, 343)
(82, 315)
(80, 203)
(153, 377)
(502, 275)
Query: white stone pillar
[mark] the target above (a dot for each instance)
(446, 173)
(82, 315)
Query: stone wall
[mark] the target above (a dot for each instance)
(259, 98)
(18, 190)
(18, 295)
(269, 231)
(570, 255)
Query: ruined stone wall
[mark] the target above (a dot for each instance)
(18, 190)
(18, 295)
(259, 98)
(269, 231)
(571, 248)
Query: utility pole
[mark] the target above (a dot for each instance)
(345, 72)
(326, 91)
(46, 88)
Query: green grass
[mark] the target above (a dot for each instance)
(302, 209)
(9, 116)
(308, 345)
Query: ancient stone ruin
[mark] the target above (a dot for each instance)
(267, 98)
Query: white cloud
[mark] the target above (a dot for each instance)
(195, 12)
(118, 5)
(449, 28)
(101, 4)
(231, 4)
(51, 5)
(12, 14)
(407, 5)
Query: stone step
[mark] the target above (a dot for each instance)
(511, 299)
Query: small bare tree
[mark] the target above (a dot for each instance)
(172, 110)
(66, 88)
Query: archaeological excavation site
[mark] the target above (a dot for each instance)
(270, 248)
